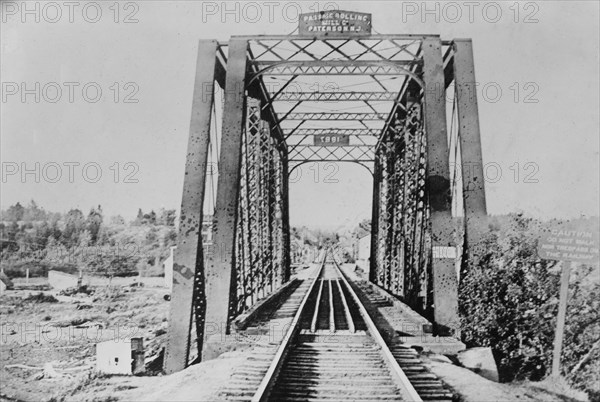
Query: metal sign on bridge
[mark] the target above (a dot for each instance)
(335, 23)
(327, 140)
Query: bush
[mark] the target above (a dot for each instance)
(509, 301)
(113, 265)
(41, 298)
(18, 269)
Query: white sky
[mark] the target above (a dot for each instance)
(559, 134)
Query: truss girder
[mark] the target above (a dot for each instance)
(413, 237)
(402, 232)
(363, 153)
(338, 131)
(188, 302)
(336, 116)
(335, 68)
(335, 96)
(375, 47)
(259, 234)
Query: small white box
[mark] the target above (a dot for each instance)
(114, 357)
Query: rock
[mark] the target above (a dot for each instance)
(480, 361)
(440, 358)
(6, 282)
(50, 372)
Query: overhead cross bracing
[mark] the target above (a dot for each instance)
(315, 116)
(333, 67)
(333, 87)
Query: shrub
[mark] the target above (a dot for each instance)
(18, 269)
(41, 298)
(509, 301)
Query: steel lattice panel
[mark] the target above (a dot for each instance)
(402, 239)
(333, 67)
(336, 116)
(259, 253)
(356, 153)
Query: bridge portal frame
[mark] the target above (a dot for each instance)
(202, 291)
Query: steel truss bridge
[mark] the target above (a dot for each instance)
(408, 107)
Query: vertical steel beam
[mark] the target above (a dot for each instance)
(271, 205)
(220, 264)
(187, 265)
(383, 213)
(475, 209)
(392, 207)
(285, 217)
(445, 286)
(375, 219)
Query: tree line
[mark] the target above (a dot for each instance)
(35, 239)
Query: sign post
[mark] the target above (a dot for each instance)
(569, 247)
(560, 319)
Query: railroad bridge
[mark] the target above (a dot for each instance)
(402, 106)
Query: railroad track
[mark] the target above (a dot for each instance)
(333, 351)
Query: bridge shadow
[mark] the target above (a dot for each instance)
(389, 334)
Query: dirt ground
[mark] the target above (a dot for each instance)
(47, 346)
(200, 382)
(47, 341)
(474, 388)
(47, 353)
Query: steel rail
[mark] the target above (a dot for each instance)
(351, 326)
(407, 389)
(313, 324)
(331, 308)
(270, 377)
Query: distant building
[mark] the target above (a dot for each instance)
(168, 267)
(207, 238)
(5, 283)
(207, 226)
(363, 251)
(61, 280)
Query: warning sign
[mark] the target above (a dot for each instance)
(570, 245)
